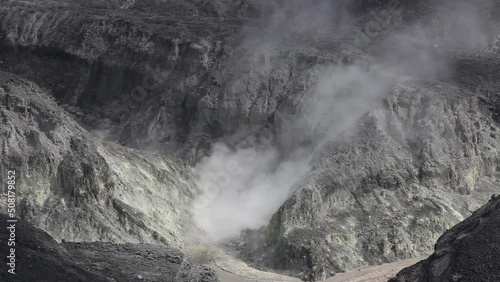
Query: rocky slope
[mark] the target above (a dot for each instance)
(467, 252)
(78, 188)
(439, 166)
(387, 173)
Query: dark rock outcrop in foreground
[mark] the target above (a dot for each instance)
(40, 258)
(469, 251)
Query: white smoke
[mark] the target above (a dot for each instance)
(243, 188)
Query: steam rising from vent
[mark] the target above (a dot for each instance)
(243, 188)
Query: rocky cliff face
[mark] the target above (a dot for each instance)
(97, 63)
(396, 142)
(466, 252)
(112, 67)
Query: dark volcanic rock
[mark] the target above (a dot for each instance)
(138, 262)
(41, 258)
(469, 251)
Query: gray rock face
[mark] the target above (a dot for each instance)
(78, 188)
(466, 252)
(41, 258)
